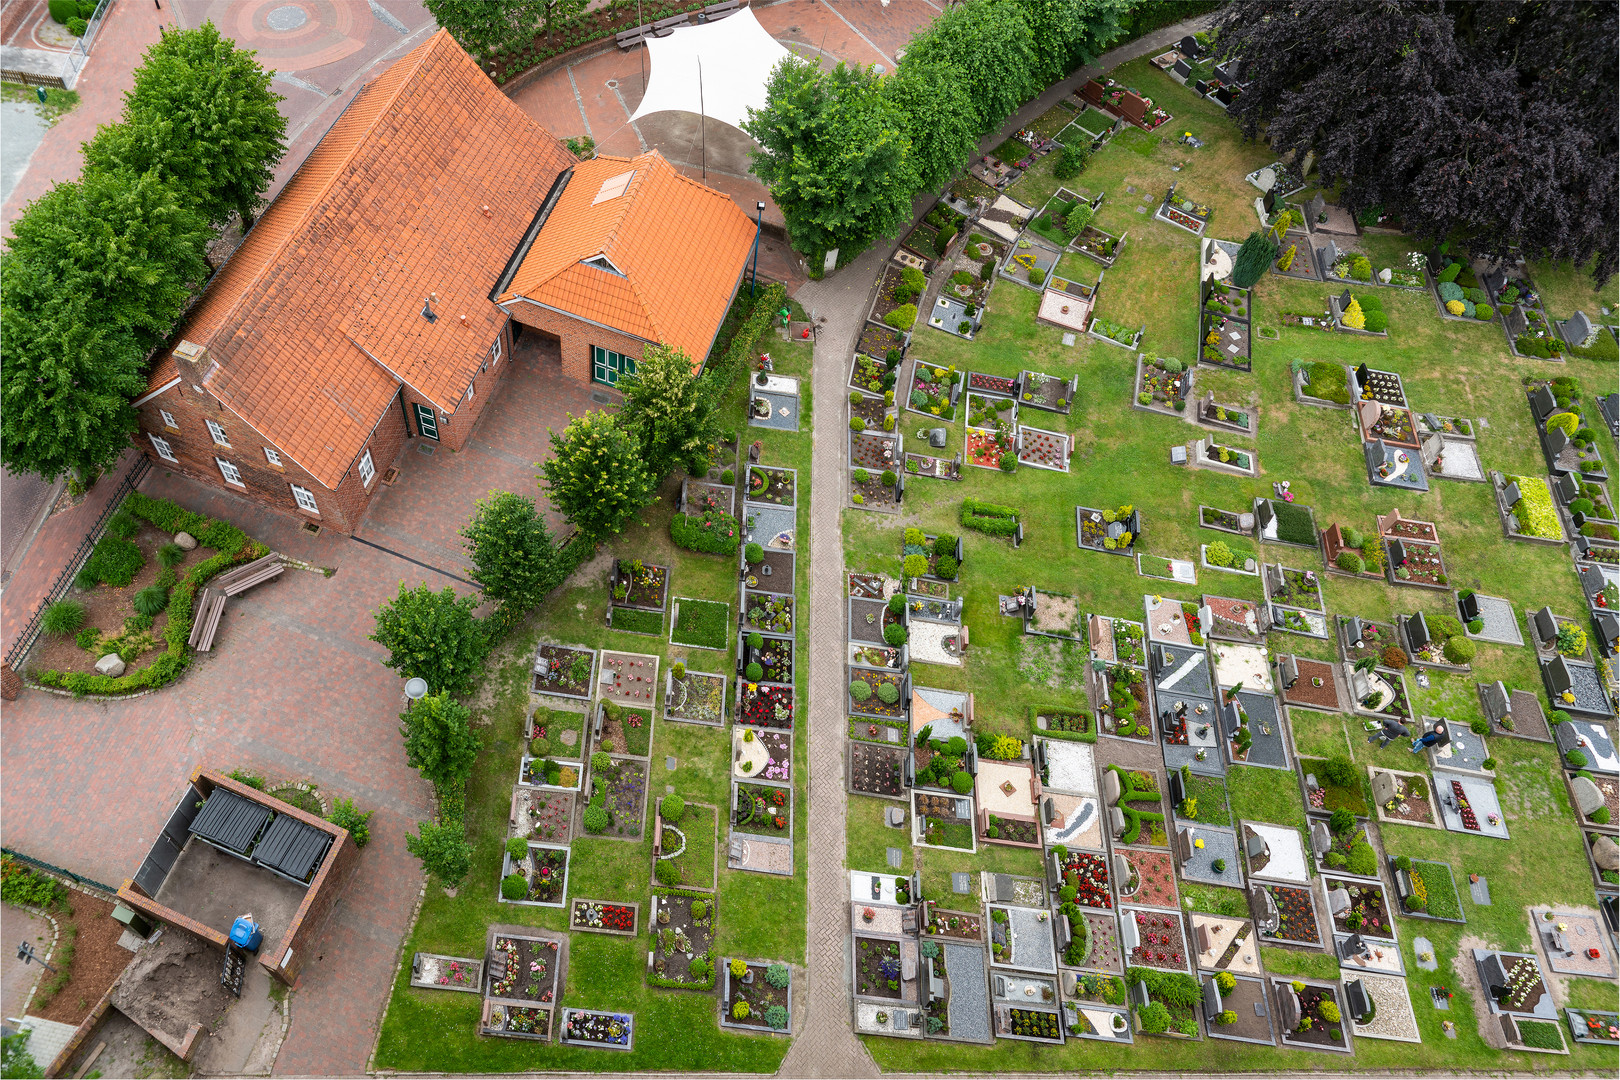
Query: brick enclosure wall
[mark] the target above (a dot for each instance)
(577, 337)
(341, 509)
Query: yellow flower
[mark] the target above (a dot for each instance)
(1199, 844)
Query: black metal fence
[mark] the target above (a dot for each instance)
(77, 879)
(64, 581)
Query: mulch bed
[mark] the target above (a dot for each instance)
(1163, 944)
(98, 960)
(869, 409)
(674, 925)
(877, 340)
(1298, 915)
(760, 996)
(1303, 693)
(626, 785)
(875, 958)
(646, 586)
(887, 301)
(1155, 877)
(559, 678)
(876, 769)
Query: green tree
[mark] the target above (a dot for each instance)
(15, 1060)
(835, 156)
(991, 43)
(1254, 258)
(670, 409)
(937, 116)
(596, 474)
(433, 635)
(443, 849)
(1070, 33)
(481, 25)
(439, 740)
(202, 113)
(514, 559)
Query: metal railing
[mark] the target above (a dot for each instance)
(77, 879)
(64, 580)
(79, 55)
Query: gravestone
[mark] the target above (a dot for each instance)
(1397, 553)
(1352, 946)
(1544, 625)
(1608, 631)
(1355, 996)
(1130, 935)
(1514, 321)
(1420, 946)
(1557, 441)
(1111, 787)
(1431, 447)
(1122, 870)
(1578, 330)
(1344, 301)
(1417, 629)
(1368, 412)
(1189, 46)
(961, 883)
(1116, 821)
(1224, 96)
(1586, 795)
(1354, 629)
(1321, 840)
(1494, 698)
(1287, 1007)
(1254, 845)
(1511, 494)
(895, 855)
(1383, 787)
(1269, 199)
(1313, 211)
(1468, 606)
(1212, 999)
(1182, 70)
(1329, 253)
(1568, 488)
(937, 437)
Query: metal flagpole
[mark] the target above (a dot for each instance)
(703, 120)
(639, 22)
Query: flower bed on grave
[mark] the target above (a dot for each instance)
(1422, 565)
(1116, 333)
(1164, 381)
(875, 769)
(985, 412)
(770, 485)
(877, 340)
(1103, 247)
(762, 705)
(601, 917)
(877, 968)
(1095, 527)
(990, 384)
(639, 585)
(960, 925)
(1126, 712)
(1185, 214)
(1295, 259)
(1296, 915)
(563, 774)
(1043, 449)
(1226, 455)
(769, 613)
(546, 816)
(1411, 801)
(875, 700)
(564, 671)
(1218, 347)
(984, 250)
(682, 940)
(608, 1030)
(894, 292)
(1087, 874)
(987, 449)
(531, 970)
(772, 748)
(620, 789)
(1045, 391)
(1226, 520)
(1314, 1029)
(625, 730)
(930, 391)
(1163, 942)
(872, 375)
(763, 809)
(698, 697)
(1368, 912)
(542, 873)
(773, 655)
(762, 1001)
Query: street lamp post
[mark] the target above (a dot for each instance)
(25, 953)
(759, 223)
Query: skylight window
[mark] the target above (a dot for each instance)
(613, 187)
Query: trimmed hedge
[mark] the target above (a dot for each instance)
(1087, 736)
(1294, 523)
(715, 533)
(233, 547)
(988, 517)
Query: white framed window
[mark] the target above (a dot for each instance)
(304, 498)
(272, 457)
(470, 386)
(368, 471)
(495, 352)
(218, 433)
(230, 472)
(162, 447)
(168, 419)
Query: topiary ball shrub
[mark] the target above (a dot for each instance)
(596, 819)
(728, 477)
(754, 553)
(888, 693)
(776, 1017)
(856, 424)
(753, 671)
(1394, 657)
(1601, 815)
(1476, 625)
(1349, 561)
(698, 969)
(777, 975)
(600, 761)
(894, 634)
(514, 887)
(756, 640)
(667, 872)
(673, 808)
(860, 691)
(1576, 758)
(517, 848)
(946, 567)
(62, 618)
(897, 603)
(961, 783)
(1460, 650)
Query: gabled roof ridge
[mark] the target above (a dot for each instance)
(401, 75)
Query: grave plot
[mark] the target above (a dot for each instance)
(989, 449)
(1295, 621)
(699, 497)
(564, 671)
(1380, 692)
(874, 487)
(682, 938)
(695, 697)
(1362, 638)
(898, 288)
(1225, 341)
(1098, 949)
(768, 484)
(1162, 383)
(877, 693)
(1154, 939)
(1244, 665)
(538, 877)
(1468, 804)
(765, 809)
(603, 917)
(624, 730)
(1174, 621)
(986, 412)
(628, 678)
(1414, 563)
(873, 376)
(1383, 387)
(1063, 218)
(958, 925)
(875, 656)
(1363, 909)
(1322, 383)
(1391, 466)
(525, 969)
(876, 769)
(1225, 417)
(1113, 530)
(763, 705)
(1043, 449)
(551, 773)
(963, 1015)
(1183, 213)
(1224, 944)
(937, 468)
(1029, 1025)
(1113, 333)
(1454, 426)
(542, 815)
(1393, 424)
(1341, 845)
(618, 802)
(1526, 507)
(980, 251)
(1099, 245)
(597, 1030)
(942, 821)
(1124, 710)
(1349, 268)
(768, 565)
(1117, 640)
(1021, 937)
(993, 385)
(935, 643)
(772, 527)
(1316, 685)
(1030, 265)
(1004, 792)
(1303, 1011)
(1402, 798)
(922, 241)
(1087, 873)
(1294, 921)
(1210, 454)
(1233, 620)
(1295, 259)
(934, 391)
(871, 586)
(1392, 1017)
(951, 314)
(433, 971)
(1066, 305)
(774, 403)
(767, 612)
(700, 624)
(1259, 738)
(1283, 521)
(765, 754)
(1524, 992)
(1245, 1014)
(1226, 520)
(1452, 459)
(878, 970)
(1209, 855)
(1296, 588)
(768, 659)
(1150, 880)
(1070, 820)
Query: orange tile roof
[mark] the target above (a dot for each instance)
(680, 245)
(315, 320)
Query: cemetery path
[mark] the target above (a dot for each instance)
(827, 1046)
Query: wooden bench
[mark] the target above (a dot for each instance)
(205, 623)
(666, 27)
(254, 573)
(719, 11)
(629, 39)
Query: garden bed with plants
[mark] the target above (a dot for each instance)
(1163, 943)
(1116, 334)
(1295, 258)
(1298, 588)
(930, 392)
(899, 288)
(1422, 565)
(1103, 247)
(695, 697)
(1162, 383)
(873, 488)
(1224, 520)
(1107, 530)
(767, 658)
(762, 808)
(1296, 915)
(765, 754)
(1322, 381)
(617, 806)
(1125, 711)
(991, 449)
(938, 822)
(546, 816)
(530, 970)
(538, 877)
(682, 950)
(564, 670)
(625, 730)
(639, 584)
(877, 968)
(1233, 556)
(875, 769)
(1084, 877)
(985, 412)
(764, 705)
(770, 613)
(878, 341)
(1434, 890)
(601, 1030)
(957, 925)
(757, 996)
(549, 772)
(603, 917)
(767, 484)
(1369, 913)
(873, 376)
(1319, 1023)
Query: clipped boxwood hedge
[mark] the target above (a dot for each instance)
(233, 547)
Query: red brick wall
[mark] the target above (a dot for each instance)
(577, 337)
(341, 509)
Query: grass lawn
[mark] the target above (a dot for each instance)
(869, 839)
(701, 624)
(632, 621)
(1265, 795)
(1211, 795)
(1298, 962)
(1214, 899)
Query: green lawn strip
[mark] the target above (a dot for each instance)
(1304, 965)
(1213, 808)
(868, 839)
(635, 621)
(937, 866)
(1265, 795)
(701, 624)
(1214, 899)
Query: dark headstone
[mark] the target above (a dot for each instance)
(1354, 630)
(1494, 696)
(1568, 488)
(1263, 512)
(1511, 494)
(1254, 845)
(1608, 632)
(1224, 96)
(1468, 607)
(938, 437)
(1201, 87)
(1344, 302)
(1363, 374)
(1313, 210)
(1355, 997)
(1397, 553)
(1558, 676)
(1270, 200)
(1288, 669)
(1182, 68)
(1188, 46)
(1417, 631)
(1514, 321)
(1212, 999)
(1576, 329)
(1557, 441)
(1178, 788)
(1544, 625)
(1592, 581)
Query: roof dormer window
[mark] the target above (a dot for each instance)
(602, 262)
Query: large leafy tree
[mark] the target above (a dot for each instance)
(443, 848)
(671, 410)
(1070, 33)
(440, 742)
(596, 474)
(835, 156)
(990, 42)
(514, 559)
(932, 101)
(203, 114)
(434, 636)
(94, 276)
(1494, 122)
(482, 25)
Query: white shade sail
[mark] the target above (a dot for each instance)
(737, 56)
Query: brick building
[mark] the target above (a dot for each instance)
(361, 311)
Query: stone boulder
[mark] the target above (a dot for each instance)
(1606, 853)
(1587, 796)
(1385, 274)
(185, 541)
(111, 664)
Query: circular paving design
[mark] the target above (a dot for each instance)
(286, 17)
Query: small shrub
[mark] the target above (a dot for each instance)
(915, 565)
(754, 553)
(1600, 816)
(961, 783)
(888, 693)
(171, 555)
(776, 1017)
(1219, 554)
(860, 476)
(62, 618)
(753, 672)
(596, 819)
(857, 424)
(777, 975)
(699, 967)
(728, 477)
(739, 968)
(1576, 758)
(673, 808)
(1394, 657)
(1329, 1011)
(514, 886)
(517, 848)
(860, 691)
(894, 634)
(902, 318)
(1459, 650)
(152, 600)
(667, 872)
(1476, 625)
(1350, 561)
(946, 567)
(739, 1010)
(123, 525)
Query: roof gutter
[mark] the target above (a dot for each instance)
(504, 282)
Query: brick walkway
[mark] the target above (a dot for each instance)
(293, 690)
(842, 298)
